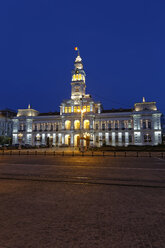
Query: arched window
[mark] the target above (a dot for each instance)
(67, 125)
(77, 124)
(86, 124)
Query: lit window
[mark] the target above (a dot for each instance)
(86, 124)
(79, 76)
(88, 108)
(66, 109)
(67, 125)
(84, 108)
(77, 124)
(75, 109)
(78, 109)
(69, 109)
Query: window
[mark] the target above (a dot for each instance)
(149, 124)
(129, 124)
(76, 76)
(122, 125)
(35, 127)
(66, 109)
(75, 109)
(88, 108)
(147, 138)
(86, 124)
(130, 138)
(116, 138)
(110, 138)
(97, 126)
(144, 125)
(109, 126)
(84, 108)
(67, 125)
(116, 125)
(77, 124)
(103, 126)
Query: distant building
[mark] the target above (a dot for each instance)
(83, 122)
(6, 123)
(163, 129)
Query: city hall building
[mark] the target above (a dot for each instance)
(83, 122)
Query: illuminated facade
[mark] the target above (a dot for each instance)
(6, 123)
(83, 122)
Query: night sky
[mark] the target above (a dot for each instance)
(122, 44)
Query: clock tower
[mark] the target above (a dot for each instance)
(78, 79)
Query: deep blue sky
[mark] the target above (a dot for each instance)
(122, 44)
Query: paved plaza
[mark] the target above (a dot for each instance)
(82, 202)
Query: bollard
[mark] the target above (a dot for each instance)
(54, 153)
(3, 152)
(73, 153)
(10, 152)
(35, 152)
(114, 154)
(63, 153)
(19, 152)
(82, 153)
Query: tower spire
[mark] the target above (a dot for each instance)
(77, 49)
(78, 78)
(144, 99)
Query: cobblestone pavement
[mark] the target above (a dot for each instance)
(65, 202)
